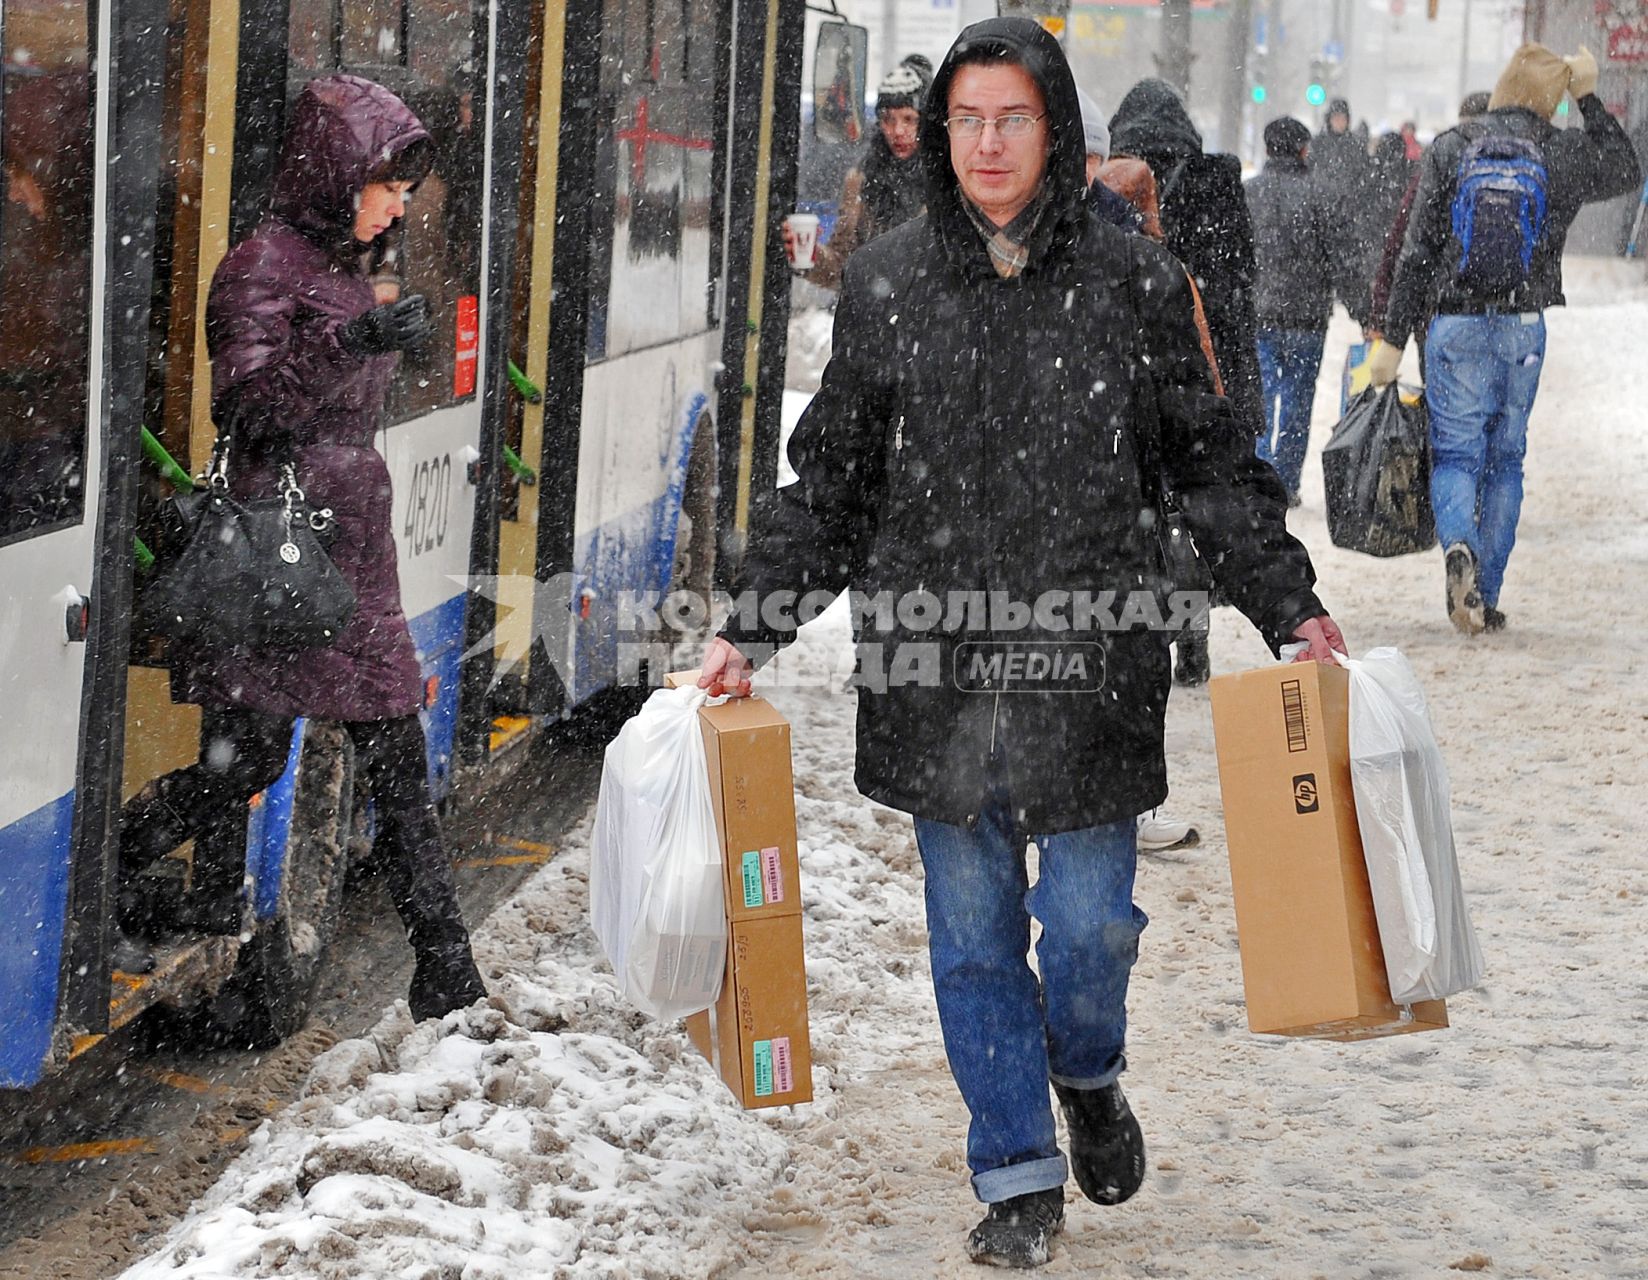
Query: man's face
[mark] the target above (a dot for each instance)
(998, 174)
(1338, 122)
(899, 125)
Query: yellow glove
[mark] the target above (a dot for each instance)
(1383, 362)
(1582, 67)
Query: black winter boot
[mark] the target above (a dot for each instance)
(1016, 1232)
(1465, 608)
(1195, 667)
(1106, 1144)
(444, 979)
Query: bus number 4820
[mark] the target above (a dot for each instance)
(428, 502)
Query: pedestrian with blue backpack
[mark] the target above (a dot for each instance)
(1483, 256)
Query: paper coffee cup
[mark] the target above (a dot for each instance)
(804, 240)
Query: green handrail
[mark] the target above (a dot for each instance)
(530, 391)
(523, 473)
(145, 558)
(165, 462)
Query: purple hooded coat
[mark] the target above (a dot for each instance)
(282, 377)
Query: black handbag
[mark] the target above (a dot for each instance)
(249, 572)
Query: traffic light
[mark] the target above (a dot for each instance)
(1315, 94)
(1259, 93)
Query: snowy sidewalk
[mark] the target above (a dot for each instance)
(559, 1135)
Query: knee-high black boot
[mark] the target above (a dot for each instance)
(420, 875)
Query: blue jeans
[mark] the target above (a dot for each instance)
(1481, 375)
(1006, 1035)
(1289, 360)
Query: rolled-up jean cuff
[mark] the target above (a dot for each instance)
(1021, 1179)
(1093, 1082)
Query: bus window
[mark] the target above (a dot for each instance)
(650, 256)
(425, 51)
(45, 265)
(372, 32)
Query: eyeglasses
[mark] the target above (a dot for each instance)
(1014, 126)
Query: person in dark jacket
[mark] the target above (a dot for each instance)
(1157, 833)
(1485, 350)
(301, 362)
(1013, 384)
(1473, 106)
(1339, 165)
(1390, 176)
(886, 189)
(1205, 218)
(1292, 240)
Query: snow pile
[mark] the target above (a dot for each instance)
(551, 1134)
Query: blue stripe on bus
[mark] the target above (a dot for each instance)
(634, 555)
(268, 831)
(34, 900)
(438, 635)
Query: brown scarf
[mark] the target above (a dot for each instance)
(1009, 246)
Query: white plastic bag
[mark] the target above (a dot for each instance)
(655, 895)
(1401, 786)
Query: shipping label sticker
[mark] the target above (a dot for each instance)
(750, 867)
(1293, 716)
(772, 875)
(763, 1068)
(783, 1067)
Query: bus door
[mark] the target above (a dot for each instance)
(54, 143)
(632, 335)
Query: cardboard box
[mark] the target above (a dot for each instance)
(1312, 964)
(747, 745)
(756, 1035)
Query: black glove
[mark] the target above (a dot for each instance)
(391, 326)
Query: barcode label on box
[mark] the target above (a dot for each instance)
(772, 875)
(764, 1067)
(1293, 716)
(751, 868)
(783, 1070)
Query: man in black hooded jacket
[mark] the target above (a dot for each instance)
(1012, 385)
(1206, 224)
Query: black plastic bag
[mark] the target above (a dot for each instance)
(1376, 471)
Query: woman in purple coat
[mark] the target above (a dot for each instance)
(301, 362)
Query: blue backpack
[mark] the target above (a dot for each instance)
(1499, 213)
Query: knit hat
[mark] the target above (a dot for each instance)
(903, 86)
(1534, 78)
(1285, 136)
(1095, 132)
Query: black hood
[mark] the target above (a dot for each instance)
(1152, 121)
(1025, 42)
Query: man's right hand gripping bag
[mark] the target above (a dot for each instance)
(1402, 807)
(1376, 471)
(655, 895)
